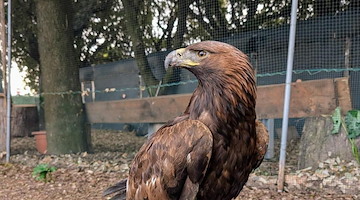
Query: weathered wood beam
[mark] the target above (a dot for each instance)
(308, 99)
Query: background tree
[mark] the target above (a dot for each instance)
(64, 114)
(105, 30)
(133, 19)
(144, 38)
(101, 33)
(92, 20)
(2, 89)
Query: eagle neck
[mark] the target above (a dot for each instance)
(219, 104)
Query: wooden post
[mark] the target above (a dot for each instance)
(93, 93)
(25, 119)
(269, 123)
(82, 90)
(347, 55)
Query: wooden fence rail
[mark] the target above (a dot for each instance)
(308, 98)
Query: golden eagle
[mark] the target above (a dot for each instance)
(209, 151)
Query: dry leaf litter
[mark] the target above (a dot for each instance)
(85, 175)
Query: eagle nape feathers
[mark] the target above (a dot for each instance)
(209, 151)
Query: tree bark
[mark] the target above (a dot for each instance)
(3, 46)
(2, 78)
(135, 32)
(173, 74)
(318, 144)
(328, 7)
(2, 123)
(183, 12)
(64, 112)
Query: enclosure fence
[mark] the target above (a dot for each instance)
(119, 46)
(327, 42)
(326, 45)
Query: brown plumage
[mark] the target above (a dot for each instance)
(210, 150)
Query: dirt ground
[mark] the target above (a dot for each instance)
(85, 176)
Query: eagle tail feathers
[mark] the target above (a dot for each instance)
(120, 190)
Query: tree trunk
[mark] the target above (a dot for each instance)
(2, 78)
(64, 112)
(328, 7)
(317, 144)
(183, 12)
(132, 24)
(173, 74)
(2, 123)
(132, 27)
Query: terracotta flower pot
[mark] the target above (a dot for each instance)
(40, 140)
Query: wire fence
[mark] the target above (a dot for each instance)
(105, 50)
(120, 46)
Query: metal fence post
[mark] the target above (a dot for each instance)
(8, 110)
(281, 176)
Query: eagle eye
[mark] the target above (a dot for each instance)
(201, 53)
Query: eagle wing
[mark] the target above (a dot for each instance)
(262, 141)
(172, 164)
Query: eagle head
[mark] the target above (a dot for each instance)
(215, 62)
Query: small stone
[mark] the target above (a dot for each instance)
(322, 173)
(116, 168)
(262, 180)
(338, 161)
(124, 167)
(348, 175)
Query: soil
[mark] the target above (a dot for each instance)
(85, 175)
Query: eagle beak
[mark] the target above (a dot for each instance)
(179, 58)
(169, 60)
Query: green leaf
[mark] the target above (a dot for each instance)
(336, 117)
(354, 150)
(42, 171)
(52, 169)
(352, 121)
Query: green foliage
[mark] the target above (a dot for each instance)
(42, 172)
(336, 117)
(354, 150)
(98, 29)
(351, 125)
(24, 99)
(101, 34)
(352, 121)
